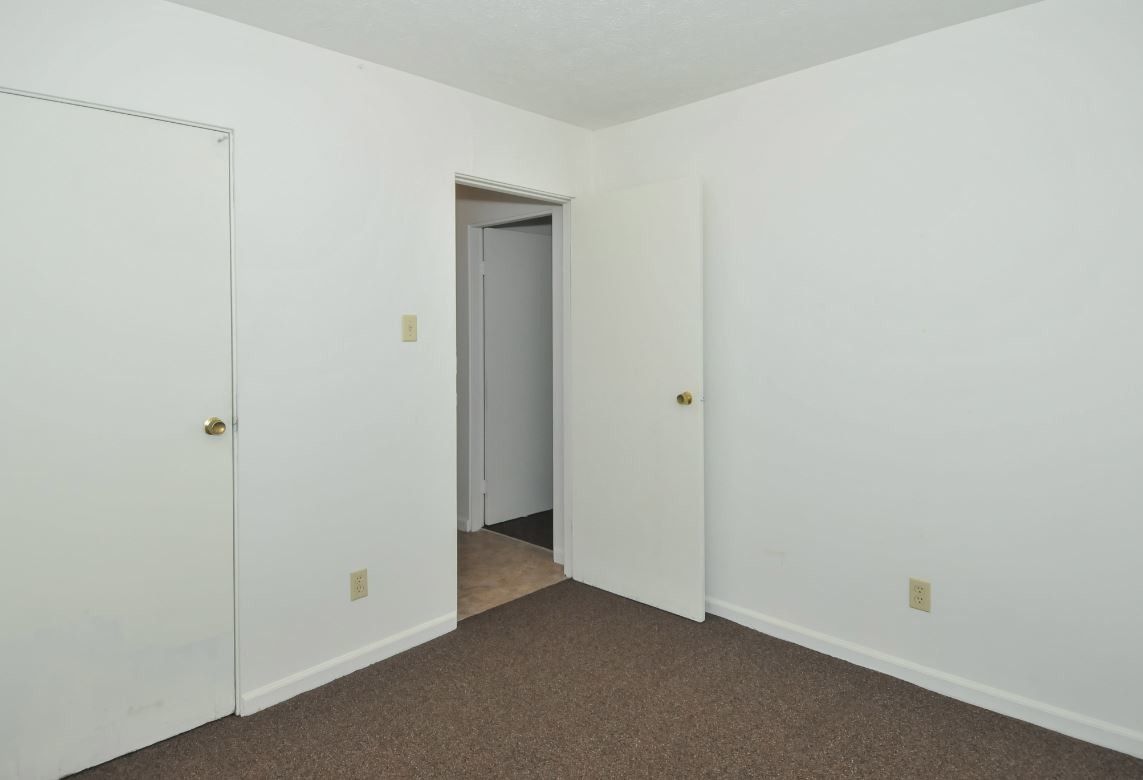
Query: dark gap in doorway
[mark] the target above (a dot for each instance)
(535, 529)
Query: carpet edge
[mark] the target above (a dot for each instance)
(1058, 719)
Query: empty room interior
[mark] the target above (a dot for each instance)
(437, 389)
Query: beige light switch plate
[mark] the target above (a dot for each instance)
(409, 327)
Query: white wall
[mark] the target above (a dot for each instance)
(344, 211)
(474, 207)
(924, 268)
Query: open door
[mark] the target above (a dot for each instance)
(635, 413)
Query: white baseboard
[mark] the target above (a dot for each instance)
(326, 671)
(1073, 724)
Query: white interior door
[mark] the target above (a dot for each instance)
(636, 453)
(116, 614)
(517, 374)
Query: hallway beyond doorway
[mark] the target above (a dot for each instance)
(493, 569)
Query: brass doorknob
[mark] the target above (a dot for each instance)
(685, 398)
(214, 427)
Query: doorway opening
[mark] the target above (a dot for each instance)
(510, 537)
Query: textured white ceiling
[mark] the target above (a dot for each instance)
(600, 62)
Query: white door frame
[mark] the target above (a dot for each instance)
(561, 512)
(227, 135)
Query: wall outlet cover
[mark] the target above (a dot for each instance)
(920, 594)
(358, 584)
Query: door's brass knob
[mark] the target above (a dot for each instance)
(214, 427)
(685, 398)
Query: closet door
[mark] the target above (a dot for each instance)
(117, 614)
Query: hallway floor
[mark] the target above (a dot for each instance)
(493, 569)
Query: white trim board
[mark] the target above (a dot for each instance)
(510, 189)
(115, 109)
(327, 671)
(1073, 724)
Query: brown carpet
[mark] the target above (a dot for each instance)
(573, 682)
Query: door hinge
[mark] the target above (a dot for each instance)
(483, 267)
(484, 486)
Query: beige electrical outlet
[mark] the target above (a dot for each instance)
(358, 584)
(920, 594)
(408, 327)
